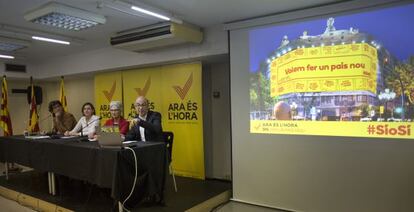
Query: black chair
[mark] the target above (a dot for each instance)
(168, 139)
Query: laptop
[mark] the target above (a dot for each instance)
(113, 140)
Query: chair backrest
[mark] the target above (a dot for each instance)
(169, 139)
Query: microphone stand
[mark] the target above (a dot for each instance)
(41, 120)
(87, 125)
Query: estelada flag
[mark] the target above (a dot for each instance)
(5, 121)
(34, 118)
(62, 97)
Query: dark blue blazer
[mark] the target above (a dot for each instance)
(152, 126)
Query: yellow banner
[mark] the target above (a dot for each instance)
(142, 82)
(334, 128)
(349, 67)
(182, 114)
(175, 92)
(108, 87)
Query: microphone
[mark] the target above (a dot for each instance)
(44, 118)
(40, 120)
(89, 123)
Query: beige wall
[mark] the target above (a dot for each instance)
(217, 144)
(108, 58)
(78, 91)
(18, 107)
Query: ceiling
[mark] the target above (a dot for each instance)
(203, 13)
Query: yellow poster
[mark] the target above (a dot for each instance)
(349, 67)
(175, 92)
(108, 87)
(142, 82)
(182, 114)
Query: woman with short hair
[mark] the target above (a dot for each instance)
(115, 107)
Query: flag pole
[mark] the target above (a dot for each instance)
(5, 120)
(62, 97)
(34, 118)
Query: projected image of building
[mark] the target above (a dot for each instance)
(336, 75)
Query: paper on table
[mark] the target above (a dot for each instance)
(69, 136)
(36, 136)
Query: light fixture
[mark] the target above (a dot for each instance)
(10, 44)
(63, 16)
(23, 36)
(6, 56)
(150, 13)
(139, 9)
(50, 40)
(9, 47)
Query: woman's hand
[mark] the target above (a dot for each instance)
(92, 136)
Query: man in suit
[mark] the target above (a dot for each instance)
(147, 124)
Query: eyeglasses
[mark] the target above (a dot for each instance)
(141, 105)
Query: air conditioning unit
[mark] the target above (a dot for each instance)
(156, 36)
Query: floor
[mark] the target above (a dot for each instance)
(233, 206)
(83, 197)
(79, 196)
(12, 206)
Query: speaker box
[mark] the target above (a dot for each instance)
(37, 94)
(15, 68)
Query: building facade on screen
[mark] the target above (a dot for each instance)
(332, 76)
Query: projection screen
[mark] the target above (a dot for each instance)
(345, 140)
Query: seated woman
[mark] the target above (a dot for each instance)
(62, 121)
(116, 118)
(86, 125)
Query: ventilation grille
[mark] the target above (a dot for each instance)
(15, 68)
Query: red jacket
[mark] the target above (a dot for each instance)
(123, 125)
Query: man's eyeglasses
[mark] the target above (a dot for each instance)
(140, 105)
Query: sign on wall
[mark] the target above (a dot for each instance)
(175, 92)
(108, 87)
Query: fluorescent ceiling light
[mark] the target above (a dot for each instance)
(150, 13)
(51, 40)
(23, 36)
(139, 9)
(8, 44)
(6, 56)
(63, 16)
